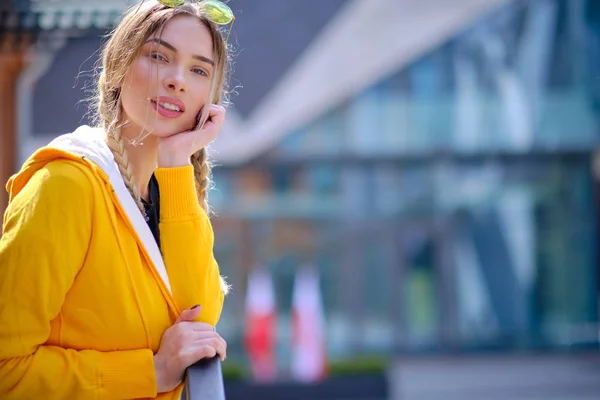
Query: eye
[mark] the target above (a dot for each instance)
(157, 57)
(200, 71)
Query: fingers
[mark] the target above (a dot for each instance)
(215, 110)
(187, 333)
(192, 355)
(195, 353)
(189, 314)
(217, 342)
(195, 340)
(183, 344)
(201, 336)
(208, 351)
(205, 351)
(195, 326)
(216, 115)
(190, 339)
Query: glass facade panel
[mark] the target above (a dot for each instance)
(516, 81)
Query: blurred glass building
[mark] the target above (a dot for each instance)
(450, 205)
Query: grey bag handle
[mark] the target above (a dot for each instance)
(204, 380)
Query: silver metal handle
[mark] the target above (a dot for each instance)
(204, 380)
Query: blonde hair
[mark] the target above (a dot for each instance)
(117, 55)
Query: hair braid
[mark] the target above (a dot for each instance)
(202, 170)
(117, 147)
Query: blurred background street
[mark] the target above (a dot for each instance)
(407, 192)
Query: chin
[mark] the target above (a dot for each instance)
(166, 130)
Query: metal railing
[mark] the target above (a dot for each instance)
(204, 381)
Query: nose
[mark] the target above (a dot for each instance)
(175, 80)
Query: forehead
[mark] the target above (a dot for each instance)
(188, 35)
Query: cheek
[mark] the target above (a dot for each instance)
(139, 76)
(199, 95)
(136, 87)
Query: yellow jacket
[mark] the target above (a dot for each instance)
(85, 293)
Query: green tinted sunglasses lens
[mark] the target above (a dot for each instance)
(218, 12)
(172, 3)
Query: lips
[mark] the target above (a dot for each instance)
(168, 107)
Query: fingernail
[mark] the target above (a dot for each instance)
(196, 306)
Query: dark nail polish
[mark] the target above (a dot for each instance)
(196, 306)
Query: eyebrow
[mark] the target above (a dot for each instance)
(172, 48)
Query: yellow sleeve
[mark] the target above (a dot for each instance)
(46, 233)
(186, 238)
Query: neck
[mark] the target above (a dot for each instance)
(142, 157)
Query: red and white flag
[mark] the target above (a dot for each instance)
(260, 325)
(309, 351)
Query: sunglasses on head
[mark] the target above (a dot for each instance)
(215, 10)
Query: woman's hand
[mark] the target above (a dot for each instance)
(183, 344)
(176, 150)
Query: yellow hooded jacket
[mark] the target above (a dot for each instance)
(85, 292)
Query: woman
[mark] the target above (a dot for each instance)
(108, 284)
